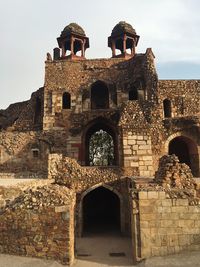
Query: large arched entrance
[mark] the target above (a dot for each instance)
(186, 150)
(100, 144)
(101, 211)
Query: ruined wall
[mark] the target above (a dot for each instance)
(165, 211)
(39, 223)
(183, 94)
(24, 153)
(11, 114)
(24, 116)
(67, 171)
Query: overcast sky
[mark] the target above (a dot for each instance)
(29, 28)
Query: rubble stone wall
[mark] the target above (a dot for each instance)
(183, 94)
(39, 222)
(17, 153)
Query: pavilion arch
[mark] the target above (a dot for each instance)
(94, 126)
(99, 95)
(80, 219)
(185, 147)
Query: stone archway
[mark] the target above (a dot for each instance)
(120, 207)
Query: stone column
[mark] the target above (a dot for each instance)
(133, 48)
(72, 46)
(63, 50)
(113, 48)
(124, 44)
(83, 48)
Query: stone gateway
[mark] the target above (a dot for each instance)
(109, 147)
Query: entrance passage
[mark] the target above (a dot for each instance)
(101, 211)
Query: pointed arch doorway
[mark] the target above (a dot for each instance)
(100, 212)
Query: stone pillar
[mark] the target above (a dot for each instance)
(113, 48)
(72, 46)
(83, 48)
(56, 53)
(124, 44)
(63, 50)
(133, 48)
(135, 232)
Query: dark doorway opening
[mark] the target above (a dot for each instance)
(133, 94)
(186, 150)
(101, 211)
(99, 96)
(167, 108)
(178, 147)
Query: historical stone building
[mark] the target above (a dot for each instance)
(146, 192)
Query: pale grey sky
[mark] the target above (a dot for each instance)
(29, 29)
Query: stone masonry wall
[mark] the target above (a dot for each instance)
(138, 153)
(167, 225)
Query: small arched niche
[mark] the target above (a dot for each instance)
(167, 109)
(99, 96)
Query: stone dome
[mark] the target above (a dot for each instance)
(72, 28)
(121, 28)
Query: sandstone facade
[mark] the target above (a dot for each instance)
(49, 137)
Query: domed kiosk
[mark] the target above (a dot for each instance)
(123, 37)
(73, 39)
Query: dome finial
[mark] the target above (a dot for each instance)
(123, 37)
(73, 39)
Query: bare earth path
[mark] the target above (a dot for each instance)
(181, 260)
(94, 251)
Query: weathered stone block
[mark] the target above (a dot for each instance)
(134, 164)
(152, 195)
(182, 202)
(167, 223)
(183, 240)
(143, 195)
(131, 142)
(166, 203)
(148, 216)
(186, 223)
